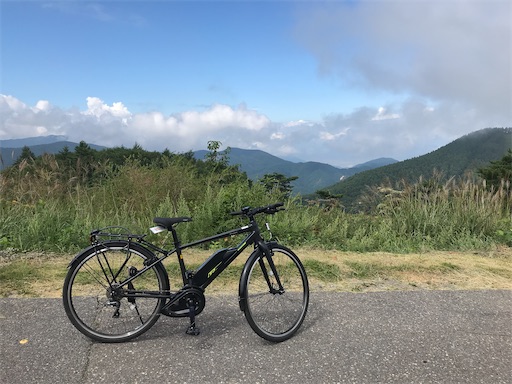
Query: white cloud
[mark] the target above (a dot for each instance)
(401, 131)
(114, 125)
(98, 108)
(298, 122)
(450, 51)
(10, 103)
(382, 114)
(42, 105)
(277, 136)
(324, 135)
(41, 131)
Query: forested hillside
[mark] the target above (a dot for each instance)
(311, 175)
(465, 154)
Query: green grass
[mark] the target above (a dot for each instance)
(321, 270)
(42, 275)
(14, 277)
(371, 270)
(39, 214)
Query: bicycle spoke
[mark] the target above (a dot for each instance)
(99, 275)
(276, 313)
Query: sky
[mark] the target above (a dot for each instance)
(338, 82)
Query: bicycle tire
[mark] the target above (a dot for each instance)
(273, 315)
(86, 290)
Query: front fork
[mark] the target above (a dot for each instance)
(261, 252)
(267, 253)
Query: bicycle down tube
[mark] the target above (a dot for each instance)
(252, 238)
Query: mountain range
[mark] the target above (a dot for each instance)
(11, 149)
(312, 176)
(467, 153)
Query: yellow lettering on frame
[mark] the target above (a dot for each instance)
(211, 272)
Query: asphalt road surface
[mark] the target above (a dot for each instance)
(387, 337)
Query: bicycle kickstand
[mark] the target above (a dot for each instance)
(192, 329)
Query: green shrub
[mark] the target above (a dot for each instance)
(42, 210)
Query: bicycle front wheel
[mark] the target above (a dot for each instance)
(275, 303)
(95, 302)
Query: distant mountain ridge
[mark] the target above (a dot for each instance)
(466, 154)
(312, 176)
(9, 155)
(32, 141)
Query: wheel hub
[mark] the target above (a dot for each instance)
(114, 293)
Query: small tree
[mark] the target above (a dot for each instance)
(328, 200)
(277, 181)
(498, 170)
(26, 155)
(214, 157)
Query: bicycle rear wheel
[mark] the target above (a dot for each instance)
(93, 301)
(273, 313)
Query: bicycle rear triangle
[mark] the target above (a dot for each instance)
(116, 289)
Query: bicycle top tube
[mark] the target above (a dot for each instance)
(168, 223)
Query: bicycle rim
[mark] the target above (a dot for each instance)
(93, 310)
(276, 315)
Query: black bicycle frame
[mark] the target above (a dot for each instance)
(212, 267)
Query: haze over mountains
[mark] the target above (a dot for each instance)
(467, 153)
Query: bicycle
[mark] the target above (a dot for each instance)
(117, 288)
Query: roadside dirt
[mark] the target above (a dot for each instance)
(42, 274)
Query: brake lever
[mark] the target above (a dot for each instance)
(269, 231)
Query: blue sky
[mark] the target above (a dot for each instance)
(340, 82)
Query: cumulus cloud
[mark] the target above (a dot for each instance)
(328, 136)
(96, 107)
(114, 125)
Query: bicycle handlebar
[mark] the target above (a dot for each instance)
(268, 209)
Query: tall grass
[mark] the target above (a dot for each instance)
(41, 211)
(437, 214)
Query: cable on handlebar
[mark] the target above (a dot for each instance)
(268, 209)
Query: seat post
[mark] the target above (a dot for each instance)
(175, 239)
(177, 246)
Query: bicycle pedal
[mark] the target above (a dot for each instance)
(193, 331)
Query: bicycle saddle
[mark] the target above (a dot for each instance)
(168, 222)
